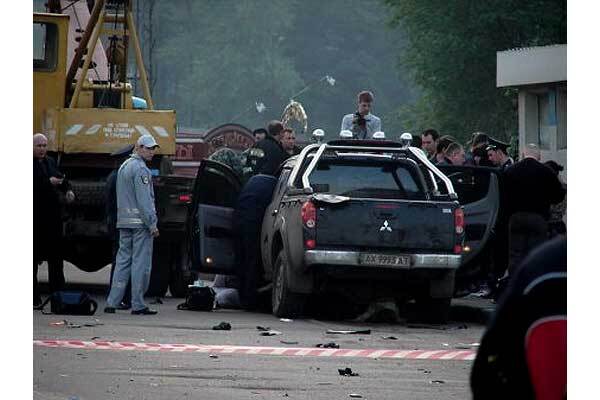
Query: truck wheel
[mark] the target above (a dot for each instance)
(286, 304)
(435, 311)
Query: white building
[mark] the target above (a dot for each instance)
(540, 75)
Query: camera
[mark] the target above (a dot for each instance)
(359, 120)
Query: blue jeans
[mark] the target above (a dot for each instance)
(134, 259)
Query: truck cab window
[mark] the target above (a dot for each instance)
(45, 46)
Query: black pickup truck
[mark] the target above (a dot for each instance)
(372, 219)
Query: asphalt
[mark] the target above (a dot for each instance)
(63, 373)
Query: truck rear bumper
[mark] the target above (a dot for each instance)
(352, 259)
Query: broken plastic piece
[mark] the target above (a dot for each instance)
(347, 372)
(350, 332)
(223, 326)
(330, 345)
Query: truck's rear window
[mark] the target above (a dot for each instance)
(378, 179)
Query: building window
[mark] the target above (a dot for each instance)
(45, 46)
(561, 106)
(544, 114)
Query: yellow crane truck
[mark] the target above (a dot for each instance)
(84, 104)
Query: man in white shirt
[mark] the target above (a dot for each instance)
(362, 123)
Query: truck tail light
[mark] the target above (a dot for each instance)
(309, 215)
(310, 243)
(459, 221)
(458, 249)
(185, 198)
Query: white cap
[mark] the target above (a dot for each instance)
(147, 141)
(379, 135)
(346, 134)
(406, 136)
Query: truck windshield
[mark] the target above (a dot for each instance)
(384, 179)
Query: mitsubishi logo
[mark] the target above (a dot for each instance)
(385, 227)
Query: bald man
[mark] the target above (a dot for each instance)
(47, 223)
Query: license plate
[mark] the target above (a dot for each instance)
(385, 260)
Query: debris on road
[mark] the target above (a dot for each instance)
(286, 320)
(349, 332)
(425, 371)
(223, 326)
(96, 322)
(270, 333)
(466, 346)
(437, 382)
(263, 328)
(355, 396)
(347, 372)
(330, 345)
(213, 356)
(287, 342)
(389, 337)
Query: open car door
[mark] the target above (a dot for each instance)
(216, 190)
(478, 190)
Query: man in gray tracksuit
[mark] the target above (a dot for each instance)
(137, 224)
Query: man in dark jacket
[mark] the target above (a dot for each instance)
(248, 216)
(523, 353)
(270, 153)
(47, 221)
(530, 189)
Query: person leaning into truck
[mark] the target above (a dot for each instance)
(362, 123)
(47, 223)
(137, 224)
(269, 153)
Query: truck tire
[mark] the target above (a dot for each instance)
(285, 303)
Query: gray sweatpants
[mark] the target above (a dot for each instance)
(134, 259)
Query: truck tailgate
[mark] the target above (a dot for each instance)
(376, 224)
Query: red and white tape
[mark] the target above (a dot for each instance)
(269, 351)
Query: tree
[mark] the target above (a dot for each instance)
(450, 54)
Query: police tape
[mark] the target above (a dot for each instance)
(463, 355)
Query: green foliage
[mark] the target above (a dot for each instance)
(450, 54)
(214, 59)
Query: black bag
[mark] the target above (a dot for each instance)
(199, 299)
(70, 303)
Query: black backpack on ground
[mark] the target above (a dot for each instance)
(70, 303)
(198, 299)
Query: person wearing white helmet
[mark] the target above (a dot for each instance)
(406, 139)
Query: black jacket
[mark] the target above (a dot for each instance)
(272, 157)
(537, 292)
(530, 186)
(47, 222)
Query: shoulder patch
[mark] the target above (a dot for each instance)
(145, 179)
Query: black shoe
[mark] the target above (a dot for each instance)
(109, 310)
(124, 306)
(144, 311)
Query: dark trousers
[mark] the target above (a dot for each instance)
(56, 277)
(115, 250)
(526, 231)
(248, 264)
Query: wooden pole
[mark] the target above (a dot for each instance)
(139, 60)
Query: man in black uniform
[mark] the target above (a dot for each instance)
(111, 217)
(270, 153)
(498, 155)
(523, 353)
(47, 221)
(530, 189)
